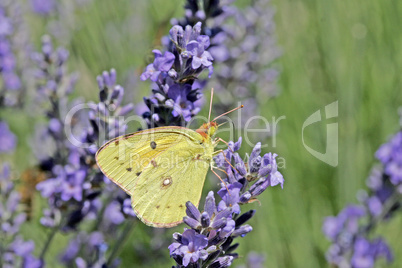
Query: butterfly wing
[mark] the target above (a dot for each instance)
(124, 158)
(173, 177)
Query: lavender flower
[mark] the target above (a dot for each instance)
(176, 95)
(390, 155)
(161, 64)
(246, 50)
(14, 47)
(214, 230)
(190, 248)
(14, 250)
(83, 247)
(75, 188)
(7, 139)
(43, 7)
(349, 231)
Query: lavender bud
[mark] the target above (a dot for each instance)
(245, 217)
(244, 198)
(106, 78)
(224, 214)
(192, 211)
(209, 206)
(176, 33)
(256, 151)
(221, 262)
(172, 73)
(242, 231)
(194, 224)
(205, 220)
(116, 92)
(220, 223)
(113, 76)
(264, 171)
(177, 236)
(232, 248)
(101, 85)
(255, 164)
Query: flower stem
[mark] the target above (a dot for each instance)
(121, 240)
(48, 242)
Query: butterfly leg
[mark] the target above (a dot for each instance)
(225, 142)
(224, 156)
(212, 169)
(221, 170)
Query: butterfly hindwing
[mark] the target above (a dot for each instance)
(176, 176)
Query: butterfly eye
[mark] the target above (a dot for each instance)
(153, 144)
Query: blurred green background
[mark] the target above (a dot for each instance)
(345, 51)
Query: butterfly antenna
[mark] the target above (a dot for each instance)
(222, 124)
(237, 108)
(210, 105)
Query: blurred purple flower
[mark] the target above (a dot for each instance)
(160, 64)
(113, 213)
(390, 154)
(7, 139)
(176, 93)
(43, 7)
(349, 230)
(365, 252)
(191, 247)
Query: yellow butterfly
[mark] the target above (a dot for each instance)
(161, 169)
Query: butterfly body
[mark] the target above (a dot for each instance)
(161, 169)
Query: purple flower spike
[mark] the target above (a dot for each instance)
(191, 248)
(349, 230)
(231, 198)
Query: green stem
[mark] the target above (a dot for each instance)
(48, 242)
(121, 240)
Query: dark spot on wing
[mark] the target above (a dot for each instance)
(138, 173)
(157, 206)
(153, 162)
(153, 144)
(116, 158)
(180, 206)
(168, 207)
(116, 142)
(129, 169)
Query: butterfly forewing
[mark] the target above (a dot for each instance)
(124, 158)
